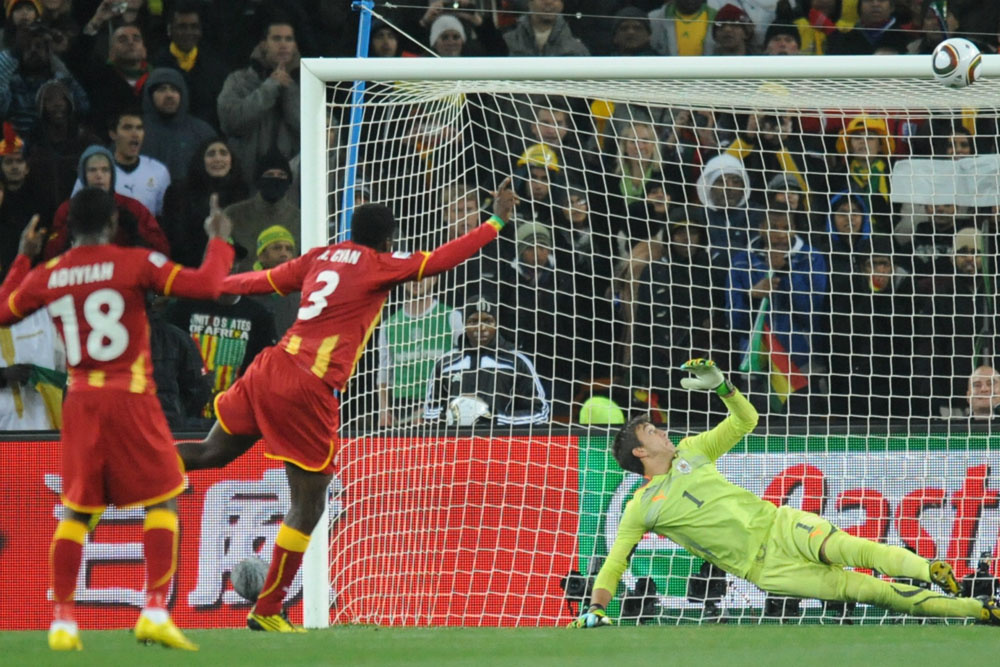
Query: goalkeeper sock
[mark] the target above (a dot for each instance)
(159, 539)
(844, 549)
(65, 555)
(285, 561)
(907, 599)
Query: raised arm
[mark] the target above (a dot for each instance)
(205, 282)
(29, 247)
(742, 417)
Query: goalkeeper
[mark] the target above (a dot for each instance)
(781, 550)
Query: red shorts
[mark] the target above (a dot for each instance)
(295, 412)
(117, 450)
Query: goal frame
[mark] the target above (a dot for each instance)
(316, 73)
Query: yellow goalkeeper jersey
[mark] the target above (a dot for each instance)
(695, 506)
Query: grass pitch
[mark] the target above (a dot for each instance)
(730, 646)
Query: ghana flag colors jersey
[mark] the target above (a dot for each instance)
(343, 289)
(695, 506)
(97, 296)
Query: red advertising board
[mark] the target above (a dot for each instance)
(472, 531)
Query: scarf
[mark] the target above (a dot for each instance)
(185, 61)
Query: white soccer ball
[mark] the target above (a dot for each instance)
(248, 577)
(956, 62)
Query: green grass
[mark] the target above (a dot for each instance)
(729, 646)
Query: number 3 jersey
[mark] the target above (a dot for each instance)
(695, 506)
(343, 289)
(96, 295)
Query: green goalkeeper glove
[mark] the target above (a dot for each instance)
(706, 376)
(595, 617)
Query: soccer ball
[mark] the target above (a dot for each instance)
(956, 62)
(248, 577)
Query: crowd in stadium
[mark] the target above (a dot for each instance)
(166, 102)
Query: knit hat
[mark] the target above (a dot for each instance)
(10, 143)
(8, 6)
(732, 14)
(539, 155)
(630, 14)
(273, 160)
(967, 238)
(273, 234)
(446, 22)
(873, 126)
(479, 304)
(776, 29)
(533, 233)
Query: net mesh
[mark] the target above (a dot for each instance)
(830, 243)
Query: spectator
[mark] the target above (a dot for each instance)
(849, 233)
(676, 314)
(784, 190)
(117, 84)
(539, 184)
(781, 267)
(983, 393)
(409, 342)
(957, 142)
(771, 145)
(182, 384)
(32, 375)
(867, 146)
(876, 29)
(58, 139)
(228, 332)
(275, 246)
(24, 196)
(172, 135)
(782, 40)
(933, 241)
(957, 327)
(136, 225)
(543, 32)
(630, 33)
(136, 175)
(486, 367)
(931, 31)
(822, 17)
(24, 68)
(463, 33)
(536, 298)
(270, 206)
(19, 13)
(384, 41)
(871, 335)
(724, 190)
(682, 28)
(57, 15)
(203, 70)
(760, 14)
(732, 32)
(213, 170)
(552, 125)
(463, 212)
(447, 36)
(259, 105)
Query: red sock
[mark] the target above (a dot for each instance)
(159, 539)
(285, 561)
(65, 555)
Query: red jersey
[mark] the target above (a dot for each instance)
(344, 287)
(97, 296)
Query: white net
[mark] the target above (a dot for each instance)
(830, 243)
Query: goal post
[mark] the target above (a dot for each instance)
(437, 523)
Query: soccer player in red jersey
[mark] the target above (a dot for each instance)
(117, 447)
(288, 395)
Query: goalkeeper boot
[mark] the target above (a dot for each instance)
(64, 636)
(272, 623)
(943, 576)
(156, 627)
(990, 615)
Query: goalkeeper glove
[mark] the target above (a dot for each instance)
(594, 618)
(706, 376)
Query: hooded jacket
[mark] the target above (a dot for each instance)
(18, 92)
(174, 139)
(136, 225)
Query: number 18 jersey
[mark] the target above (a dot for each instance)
(97, 296)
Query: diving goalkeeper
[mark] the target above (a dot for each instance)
(781, 550)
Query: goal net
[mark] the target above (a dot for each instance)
(824, 229)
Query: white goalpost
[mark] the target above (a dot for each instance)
(824, 227)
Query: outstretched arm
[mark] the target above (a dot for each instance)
(742, 417)
(205, 282)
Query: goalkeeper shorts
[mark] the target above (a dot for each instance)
(788, 563)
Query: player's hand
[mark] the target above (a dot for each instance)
(32, 239)
(217, 224)
(595, 617)
(504, 200)
(706, 375)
